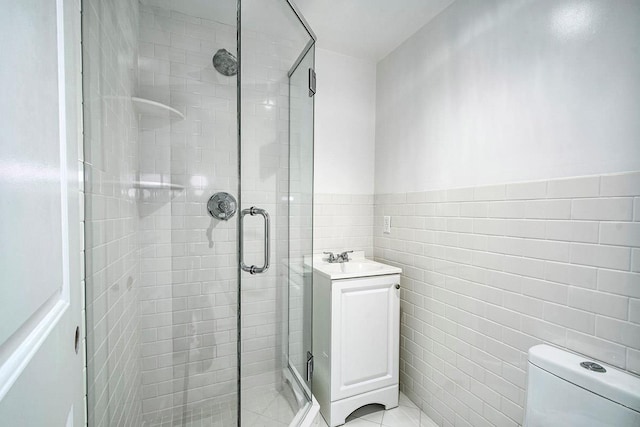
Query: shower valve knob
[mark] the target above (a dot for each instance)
(222, 206)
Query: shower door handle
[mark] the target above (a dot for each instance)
(254, 269)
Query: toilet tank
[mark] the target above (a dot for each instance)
(560, 392)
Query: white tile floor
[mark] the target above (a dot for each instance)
(266, 407)
(407, 414)
(269, 408)
(219, 415)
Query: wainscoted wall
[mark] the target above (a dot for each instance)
(343, 222)
(493, 103)
(490, 271)
(110, 45)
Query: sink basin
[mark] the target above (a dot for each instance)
(353, 267)
(358, 267)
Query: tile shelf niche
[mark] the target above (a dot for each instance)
(154, 189)
(155, 108)
(151, 185)
(154, 194)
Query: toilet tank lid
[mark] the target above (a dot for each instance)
(616, 385)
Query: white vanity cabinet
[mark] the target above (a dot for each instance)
(356, 341)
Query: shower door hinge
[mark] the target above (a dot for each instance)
(312, 82)
(309, 366)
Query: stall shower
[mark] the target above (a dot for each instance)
(184, 100)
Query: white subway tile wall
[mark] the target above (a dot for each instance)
(111, 214)
(188, 274)
(489, 272)
(343, 222)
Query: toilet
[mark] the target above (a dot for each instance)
(568, 390)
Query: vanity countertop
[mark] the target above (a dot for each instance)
(357, 266)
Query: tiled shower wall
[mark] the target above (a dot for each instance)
(490, 271)
(110, 31)
(343, 222)
(188, 272)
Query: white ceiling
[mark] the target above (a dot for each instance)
(367, 28)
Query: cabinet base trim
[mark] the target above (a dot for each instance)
(339, 410)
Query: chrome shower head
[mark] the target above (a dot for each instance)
(225, 63)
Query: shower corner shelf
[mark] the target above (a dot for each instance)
(155, 108)
(151, 185)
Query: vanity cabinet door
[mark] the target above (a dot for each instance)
(365, 325)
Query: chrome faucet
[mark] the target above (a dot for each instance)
(342, 257)
(331, 258)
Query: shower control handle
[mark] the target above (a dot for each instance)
(254, 269)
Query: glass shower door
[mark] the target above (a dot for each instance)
(276, 156)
